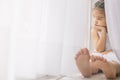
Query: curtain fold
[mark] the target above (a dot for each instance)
(113, 24)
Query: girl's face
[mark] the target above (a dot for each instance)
(99, 18)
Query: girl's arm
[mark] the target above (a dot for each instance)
(99, 41)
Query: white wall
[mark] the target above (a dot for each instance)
(4, 52)
(68, 17)
(63, 22)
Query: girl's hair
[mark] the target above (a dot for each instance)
(99, 4)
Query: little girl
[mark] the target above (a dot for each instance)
(103, 58)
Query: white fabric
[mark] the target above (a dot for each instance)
(112, 9)
(109, 57)
(44, 35)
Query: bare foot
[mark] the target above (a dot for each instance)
(107, 67)
(82, 62)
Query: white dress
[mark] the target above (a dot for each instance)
(109, 56)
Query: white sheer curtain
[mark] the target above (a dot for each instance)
(112, 8)
(42, 36)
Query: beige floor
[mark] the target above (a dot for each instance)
(72, 77)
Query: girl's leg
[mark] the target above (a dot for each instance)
(117, 66)
(108, 68)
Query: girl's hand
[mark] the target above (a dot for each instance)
(100, 28)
